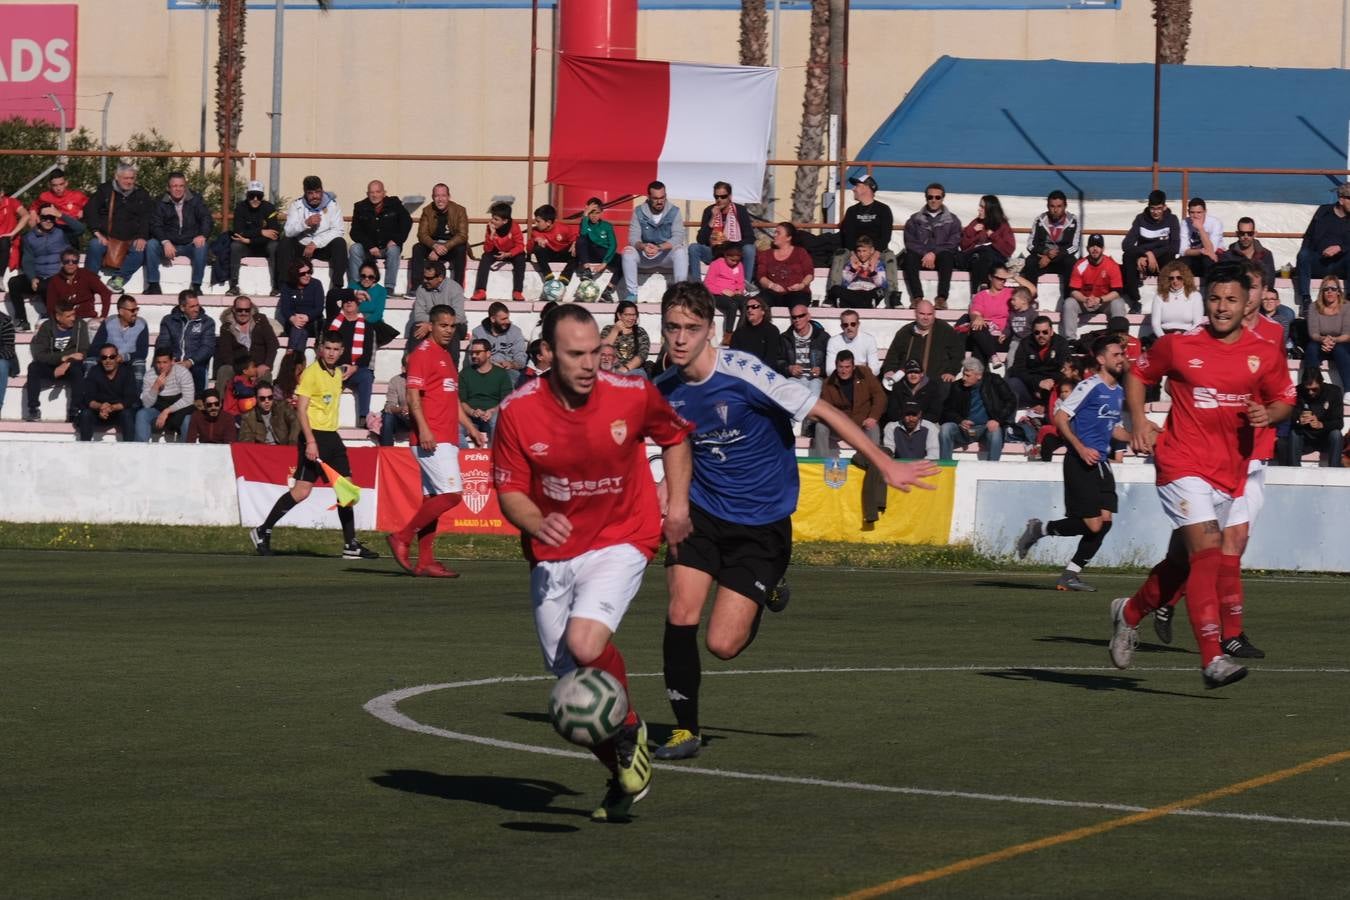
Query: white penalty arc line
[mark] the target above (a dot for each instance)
(385, 708)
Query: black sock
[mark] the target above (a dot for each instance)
(1066, 527)
(683, 672)
(285, 503)
(348, 520)
(1089, 544)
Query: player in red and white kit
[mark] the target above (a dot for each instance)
(572, 474)
(433, 406)
(1225, 382)
(1244, 511)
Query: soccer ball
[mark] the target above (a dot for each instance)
(553, 288)
(587, 706)
(587, 292)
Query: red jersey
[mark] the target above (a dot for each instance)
(1207, 435)
(9, 217)
(589, 464)
(510, 244)
(1264, 447)
(432, 372)
(558, 238)
(1098, 280)
(71, 203)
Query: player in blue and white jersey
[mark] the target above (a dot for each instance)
(742, 496)
(1087, 420)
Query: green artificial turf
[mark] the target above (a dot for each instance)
(180, 724)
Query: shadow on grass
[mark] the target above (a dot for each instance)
(1103, 642)
(517, 795)
(1090, 681)
(658, 733)
(388, 573)
(1047, 585)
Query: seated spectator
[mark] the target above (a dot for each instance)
(1022, 312)
(128, 333)
(380, 227)
(977, 409)
(1326, 247)
(608, 359)
(852, 338)
(932, 237)
(503, 245)
(785, 272)
(862, 282)
(301, 307)
(873, 218)
(13, 220)
(934, 344)
(442, 237)
(598, 248)
(313, 230)
(656, 240)
(167, 395)
(58, 350)
(67, 200)
(804, 343)
(1178, 306)
(911, 436)
(180, 223)
(551, 241)
(725, 225)
(1154, 240)
(1095, 285)
(119, 217)
(1037, 364)
(541, 360)
(9, 359)
(1201, 239)
(437, 290)
(190, 336)
(1047, 438)
(397, 418)
(372, 298)
(48, 248)
(537, 332)
(107, 398)
(256, 233)
(1052, 248)
(757, 335)
(987, 324)
(1329, 330)
(243, 328)
(240, 392)
(630, 339)
(726, 282)
(1317, 420)
(506, 341)
(209, 425)
(357, 362)
(914, 387)
(482, 388)
(1272, 308)
(79, 288)
(1248, 248)
(857, 393)
(987, 242)
(269, 422)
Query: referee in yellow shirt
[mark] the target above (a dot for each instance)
(317, 398)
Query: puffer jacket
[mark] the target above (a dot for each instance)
(197, 221)
(186, 338)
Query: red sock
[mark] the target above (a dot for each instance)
(426, 544)
(1230, 595)
(611, 660)
(1163, 585)
(1202, 602)
(431, 509)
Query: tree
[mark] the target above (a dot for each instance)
(230, 71)
(1173, 19)
(755, 52)
(815, 114)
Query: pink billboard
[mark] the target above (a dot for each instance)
(37, 57)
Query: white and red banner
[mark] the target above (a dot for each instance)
(401, 493)
(621, 123)
(37, 57)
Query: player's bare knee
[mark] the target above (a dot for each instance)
(301, 491)
(725, 646)
(1093, 525)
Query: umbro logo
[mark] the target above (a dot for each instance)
(1195, 363)
(539, 449)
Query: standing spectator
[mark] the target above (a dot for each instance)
(190, 336)
(757, 335)
(1329, 330)
(1178, 306)
(1052, 248)
(107, 398)
(482, 388)
(13, 220)
(932, 237)
(977, 409)
(986, 242)
(269, 422)
(380, 227)
(58, 350)
(1248, 248)
(119, 216)
(785, 272)
(935, 345)
(436, 290)
(442, 237)
(357, 362)
(1154, 240)
(256, 233)
(852, 338)
(73, 286)
(862, 282)
(46, 249)
(857, 393)
(867, 216)
(503, 245)
(67, 201)
(167, 395)
(300, 310)
(1326, 246)
(1037, 364)
(1201, 239)
(630, 340)
(243, 328)
(9, 360)
(551, 242)
(656, 240)
(128, 333)
(804, 343)
(1318, 418)
(179, 226)
(1094, 288)
(598, 248)
(725, 224)
(314, 229)
(506, 341)
(726, 282)
(209, 425)
(397, 417)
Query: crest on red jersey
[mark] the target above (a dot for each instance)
(1253, 363)
(618, 429)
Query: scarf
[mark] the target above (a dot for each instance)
(358, 334)
(729, 225)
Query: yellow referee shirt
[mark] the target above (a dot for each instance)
(324, 389)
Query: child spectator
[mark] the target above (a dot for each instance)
(551, 242)
(241, 395)
(503, 245)
(726, 282)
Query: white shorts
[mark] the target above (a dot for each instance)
(1247, 507)
(597, 585)
(1192, 500)
(440, 469)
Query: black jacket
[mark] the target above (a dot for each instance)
(1328, 408)
(820, 342)
(1163, 238)
(926, 394)
(1326, 229)
(998, 400)
(1029, 367)
(130, 214)
(121, 389)
(391, 224)
(761, 341)
(874, 220)
(249, 223)
(742, 217)
(197, 221)
(940, 351)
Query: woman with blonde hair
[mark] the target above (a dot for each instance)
(1178, 306)
(1329, 330)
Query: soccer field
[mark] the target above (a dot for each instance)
(223, 725)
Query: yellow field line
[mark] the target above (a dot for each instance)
(1077, 834)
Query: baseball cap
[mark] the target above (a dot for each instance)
(313, 183)
(913, 366)
(868, 180)
(1096, 240)
(255, 187)
(911, 409)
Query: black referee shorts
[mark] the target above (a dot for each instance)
(748, 559)
(1087, 489)
(331, 451)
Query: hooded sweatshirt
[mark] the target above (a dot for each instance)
(330, 227)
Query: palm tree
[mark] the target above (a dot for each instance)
(230, 71)
(815, 114)
(1173, 18)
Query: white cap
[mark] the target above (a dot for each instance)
(255, 187)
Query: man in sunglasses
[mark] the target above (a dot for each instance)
(1037, 364)
(1248, 248)
(852, 338)
(269, 422)
(45, 248)
(128, 334)
(725, 223)
(208, 425)
(107, 397)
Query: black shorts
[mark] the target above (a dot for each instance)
(331, 451)
(1087, 489)
(748, 559)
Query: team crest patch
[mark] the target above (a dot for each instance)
(721, 412)
(618, 429)
(1253, 363)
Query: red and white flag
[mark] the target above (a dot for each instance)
(264, 473)
(622, 123)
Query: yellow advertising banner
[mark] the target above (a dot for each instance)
(831, 507)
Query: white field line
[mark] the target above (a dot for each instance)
(385, 708)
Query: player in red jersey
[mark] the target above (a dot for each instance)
(436, 413)
(1225, 382)
(572, 474)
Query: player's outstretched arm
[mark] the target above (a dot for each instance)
(678, 461)
(553, 529)
(901, 476)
